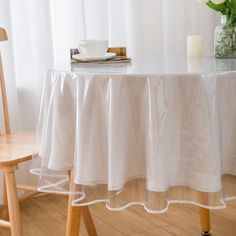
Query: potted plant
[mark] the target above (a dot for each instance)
(225, 33)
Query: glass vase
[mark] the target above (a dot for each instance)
(225, 38)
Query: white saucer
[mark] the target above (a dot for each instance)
(80, 57)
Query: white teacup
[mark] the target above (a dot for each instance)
(93, 48)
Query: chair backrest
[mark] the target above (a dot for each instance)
(6, 120)
(121, 51)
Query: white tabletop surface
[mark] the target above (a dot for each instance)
(154, 66)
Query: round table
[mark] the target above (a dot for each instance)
(153, 132)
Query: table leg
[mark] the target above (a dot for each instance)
(205, 221)
(73, 214)
(88, 220)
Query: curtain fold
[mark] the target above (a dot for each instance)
(33, 54)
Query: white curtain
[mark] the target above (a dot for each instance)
(150, 27)
(42, 32)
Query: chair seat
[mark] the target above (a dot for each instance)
(16, 148)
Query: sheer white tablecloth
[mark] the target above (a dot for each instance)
(155, 132)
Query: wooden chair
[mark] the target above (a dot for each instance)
(14, 149)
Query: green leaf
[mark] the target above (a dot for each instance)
(233, 6)
(218, 7)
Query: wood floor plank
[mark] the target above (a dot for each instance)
(125, 222)
(154, 232)
(104, 228)
(46, 216)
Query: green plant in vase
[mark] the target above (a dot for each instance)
(225, 33)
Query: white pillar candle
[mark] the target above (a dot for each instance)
(194, 64)
(194, 46)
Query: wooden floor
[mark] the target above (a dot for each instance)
(46, 216)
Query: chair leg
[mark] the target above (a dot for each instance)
(88, 220)
(205, 221)
(13, 203)
(73, 214)
(5, 215)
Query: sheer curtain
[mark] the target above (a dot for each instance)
(150, 27)
(42, 32)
